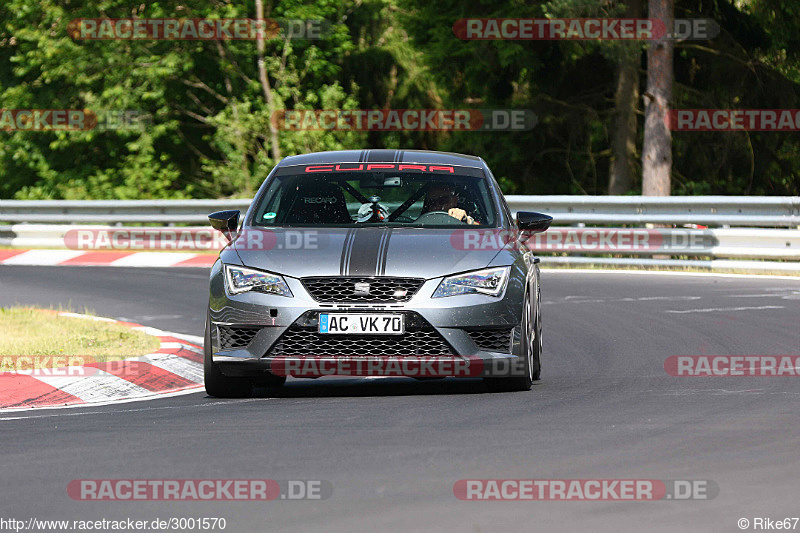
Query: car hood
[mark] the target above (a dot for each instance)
(406, 252)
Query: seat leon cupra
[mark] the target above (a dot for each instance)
(375, 262)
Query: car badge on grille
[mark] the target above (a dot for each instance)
(361, 289)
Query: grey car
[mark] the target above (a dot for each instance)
(375, 262)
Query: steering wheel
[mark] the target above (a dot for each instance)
(437, 217)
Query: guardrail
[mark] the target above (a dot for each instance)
(779, 211)
(753, 243)
(744, 238)
(115, 211)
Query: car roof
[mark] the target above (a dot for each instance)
(384, 156)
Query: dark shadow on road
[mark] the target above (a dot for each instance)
(358, 387)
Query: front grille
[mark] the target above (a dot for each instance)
(343, 289)
(492, 340)
(298, 341)
(231, 337)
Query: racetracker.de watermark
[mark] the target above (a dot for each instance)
(584, 489)
(188, 239)
(583, 29)
(597, 240)
(412, 366)
(73, 120)
(195, 29)
(733, 365)
(199, 489)
(404, 119)
(733, 119)
(557, 239)
(73, 366)
(57, 365)
(395, 366)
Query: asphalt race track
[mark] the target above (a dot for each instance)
(393, 448)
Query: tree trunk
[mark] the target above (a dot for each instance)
(262, 76)
(657, 146)
(626, 101)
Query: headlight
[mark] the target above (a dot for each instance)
(491, 281)
(239, 280)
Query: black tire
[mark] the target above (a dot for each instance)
(217, 384)
(531, 340)
(537, 356)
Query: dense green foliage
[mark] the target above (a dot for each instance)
(210, 131)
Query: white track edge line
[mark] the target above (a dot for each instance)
(667, 273)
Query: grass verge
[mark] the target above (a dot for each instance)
(42, 332)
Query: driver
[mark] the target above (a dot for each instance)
(443, 197)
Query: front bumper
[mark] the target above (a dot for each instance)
(487, 365)
(462, 324)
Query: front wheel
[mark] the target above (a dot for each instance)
(531, 353)
(217, 384)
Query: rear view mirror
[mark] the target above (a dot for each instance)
(225, 221)
(379, 180)
(533, 222)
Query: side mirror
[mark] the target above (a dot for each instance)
(533, 222)
(225, 221)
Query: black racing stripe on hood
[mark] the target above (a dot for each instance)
(347, 247)
(364, 255)
(383, 253)
(381, 156)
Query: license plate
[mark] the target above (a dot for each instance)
(361, 324)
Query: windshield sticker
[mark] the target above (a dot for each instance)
(379, 166)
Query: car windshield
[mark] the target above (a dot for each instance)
(376, 199)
